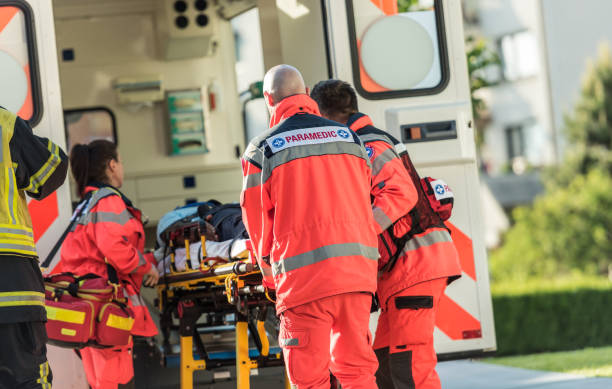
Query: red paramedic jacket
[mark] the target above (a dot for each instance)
(426, 256)
(111, 228)
(306, 205)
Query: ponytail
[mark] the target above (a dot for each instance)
(88, 162)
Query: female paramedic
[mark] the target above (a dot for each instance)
(110, 229)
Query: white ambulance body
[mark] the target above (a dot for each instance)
(136, 65)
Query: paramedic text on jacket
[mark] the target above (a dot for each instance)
(37, 166)
(409, 292)
(306, 206)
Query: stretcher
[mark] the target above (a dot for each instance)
(214, 289)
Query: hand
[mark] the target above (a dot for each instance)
(151, 277)
(210, 233)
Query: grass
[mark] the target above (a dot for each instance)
(590, 362)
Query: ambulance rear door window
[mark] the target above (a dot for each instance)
(398, 47)
(20, 91)
(85, 125)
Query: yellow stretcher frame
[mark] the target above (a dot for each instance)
(231, 275)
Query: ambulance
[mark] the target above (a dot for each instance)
(176, 84)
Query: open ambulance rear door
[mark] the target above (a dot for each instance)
(29, 86)
(408, 66)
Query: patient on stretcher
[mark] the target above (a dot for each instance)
(226, 251)
(218, 226)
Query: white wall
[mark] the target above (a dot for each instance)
(513, 102)
(574, 31)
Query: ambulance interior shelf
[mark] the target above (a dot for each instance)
(210, 297)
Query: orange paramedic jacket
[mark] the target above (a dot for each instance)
(111, 228)
(306, 205)
(426, 256)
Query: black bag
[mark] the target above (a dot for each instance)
(226, 218)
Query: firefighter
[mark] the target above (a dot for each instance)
(306, 206)
(110, 229)
(418, 259)
(35, 166)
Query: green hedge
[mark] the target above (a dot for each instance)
(554, 318)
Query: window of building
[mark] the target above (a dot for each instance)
(20, 92)
(515, 141)
(88, 124)
(519, 55)
(398, 47)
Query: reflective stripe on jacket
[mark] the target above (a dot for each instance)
(37, 166)
(426, 256)
(306, 206)
(16, 235)
(110, 229)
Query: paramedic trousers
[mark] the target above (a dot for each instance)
(329, 334)
(23, 356)
(107, 368)
(404, 338)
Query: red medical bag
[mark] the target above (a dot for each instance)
(86, 311)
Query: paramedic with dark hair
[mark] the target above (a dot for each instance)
(306, 206)
(409, 289)
(35, 166)
(110, 229)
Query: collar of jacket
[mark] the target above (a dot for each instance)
(99, 185)
(292, 105)
(359, 120)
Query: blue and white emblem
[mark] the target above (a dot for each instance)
(440, 189)
(278, 142)
(343, 134)
(370, 151)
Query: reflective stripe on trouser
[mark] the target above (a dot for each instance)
(404, 338)
(43, 380)
(106, 368)
(329, 334)
(21, 298)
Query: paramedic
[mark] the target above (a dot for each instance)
(110, 229)
(36, 166)
(306, 206)
(409, 291)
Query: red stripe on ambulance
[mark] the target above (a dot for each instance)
(455, 321)
(43, 214)
(463, 243)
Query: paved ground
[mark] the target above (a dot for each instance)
(478, 375)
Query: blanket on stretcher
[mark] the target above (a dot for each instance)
(227, 250)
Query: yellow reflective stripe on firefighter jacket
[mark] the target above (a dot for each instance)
(16, 234)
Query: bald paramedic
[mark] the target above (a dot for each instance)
(35, 166)
(418, 258)
(306, 206)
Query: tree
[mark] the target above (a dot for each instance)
(479, 58)
(566, 230)
(588, 129)
(569, 228)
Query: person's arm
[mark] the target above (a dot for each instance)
(255, 210)
(41, 165)
(393, 192)
(109, 227)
